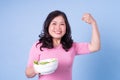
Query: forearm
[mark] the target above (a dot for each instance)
(30, 72)
(94, 44)
(95, 39)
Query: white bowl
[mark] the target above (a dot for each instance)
(46, 66)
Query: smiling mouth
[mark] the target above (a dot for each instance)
(57, 32)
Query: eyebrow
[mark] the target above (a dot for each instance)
(53, 21)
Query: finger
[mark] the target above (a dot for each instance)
(86, 14)
(84, 18)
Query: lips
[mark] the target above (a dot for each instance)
(57, 32)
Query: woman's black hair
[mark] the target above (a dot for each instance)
(46, 39)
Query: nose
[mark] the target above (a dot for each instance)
(57, 27)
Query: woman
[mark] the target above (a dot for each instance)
(56, 41)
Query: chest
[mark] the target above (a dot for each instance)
(65, 59)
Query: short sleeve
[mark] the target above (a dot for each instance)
(33, 55)
(81, 48)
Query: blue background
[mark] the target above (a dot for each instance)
(21, 22)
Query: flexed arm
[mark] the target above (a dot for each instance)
(94, 44)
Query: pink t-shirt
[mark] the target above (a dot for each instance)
(64, 70)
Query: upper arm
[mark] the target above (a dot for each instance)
(33, 55)
(81, 48)
(93, 48)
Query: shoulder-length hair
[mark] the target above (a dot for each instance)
(46, 39)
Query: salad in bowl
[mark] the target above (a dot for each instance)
(46, 66)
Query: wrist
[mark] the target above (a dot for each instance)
(94, 24)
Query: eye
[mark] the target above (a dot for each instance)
(62, 24)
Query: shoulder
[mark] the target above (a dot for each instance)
(36, 45)
(79, 44)
(81, 47)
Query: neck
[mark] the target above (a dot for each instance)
(56, 42)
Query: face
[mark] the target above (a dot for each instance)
(57, 27)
